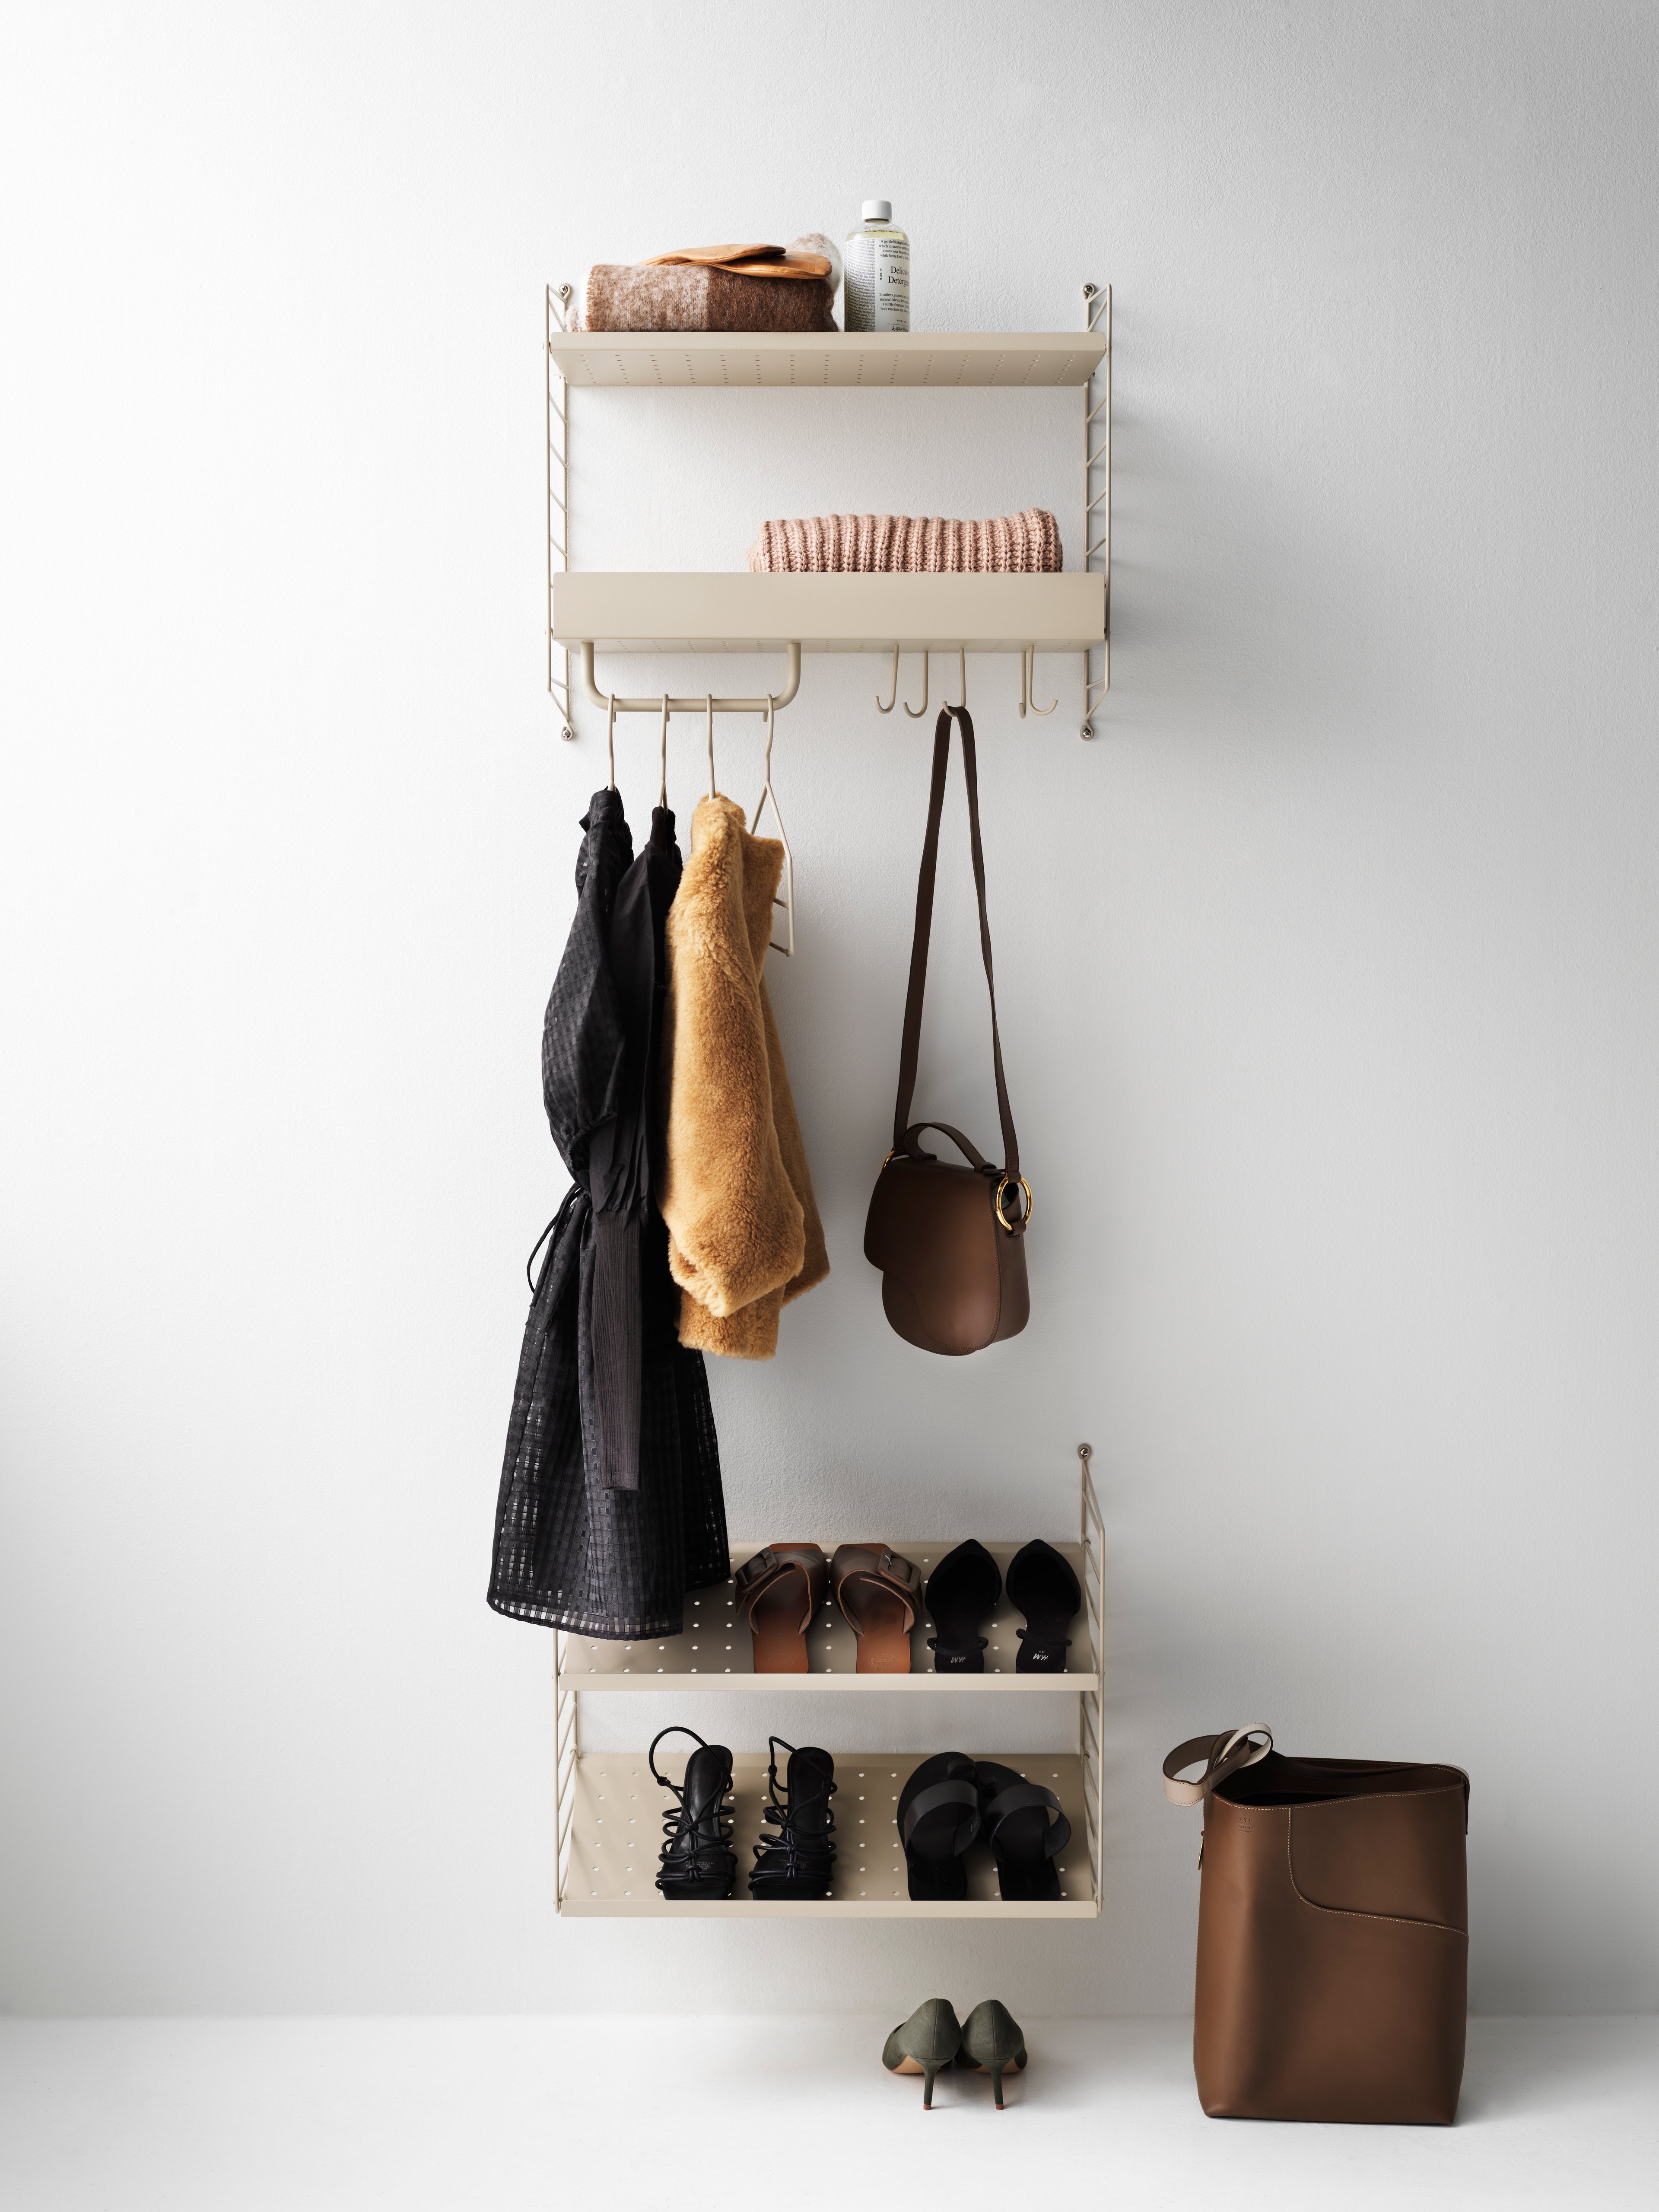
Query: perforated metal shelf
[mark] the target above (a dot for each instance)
(617, 1832)
(715, 1650)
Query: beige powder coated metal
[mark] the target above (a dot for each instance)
(717, 1642)
(871, 361)
(1079, 1781)
(855, 361)
(738, 612)
(616, 1831)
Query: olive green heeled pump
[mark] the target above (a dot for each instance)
(991, 2039)
(925, 2045)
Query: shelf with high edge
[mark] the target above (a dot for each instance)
(841, 360)
(737, 612)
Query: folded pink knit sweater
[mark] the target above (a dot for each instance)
(1022, 544)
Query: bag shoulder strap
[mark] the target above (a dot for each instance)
(1222, 1755)
(910, 1049)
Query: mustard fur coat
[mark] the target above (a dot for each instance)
(743, 1233)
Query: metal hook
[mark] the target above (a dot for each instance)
(1028, 683)
(610, 743)
(788, 949)
(708, 709)
(663, 797)
(887, 708)
(917, 712)
(961, 672)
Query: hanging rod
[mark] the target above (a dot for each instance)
(602, 699)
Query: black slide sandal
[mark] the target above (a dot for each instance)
(1024, 1842)
(1041, 1584)
(961, 1591)
(938, 1818)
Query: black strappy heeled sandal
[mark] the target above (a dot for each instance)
(1024, 1842)
(1041, 1584)
(938, 1818)
(798, 1861)
(697, 1857)
(961, 1591)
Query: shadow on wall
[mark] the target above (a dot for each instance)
(1225, 595)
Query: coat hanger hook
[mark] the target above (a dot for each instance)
(918, 711)
(787, 902)
(610, 741)
(708, 709)
(961, 672)
(893, 695)
(1028, 683)
(663, 797)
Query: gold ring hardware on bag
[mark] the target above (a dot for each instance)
(1025, 1221)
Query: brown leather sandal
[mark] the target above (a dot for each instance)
(779, 1592)
(879, 1595)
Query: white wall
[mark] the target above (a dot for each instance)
(1329, 970)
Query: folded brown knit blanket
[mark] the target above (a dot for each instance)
(649, 297)
(1024, 545)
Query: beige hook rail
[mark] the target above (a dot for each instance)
(609, 702)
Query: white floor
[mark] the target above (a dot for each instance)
(676, 2115)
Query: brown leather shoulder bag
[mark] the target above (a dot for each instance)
(1333, 1933)
(950, 1240)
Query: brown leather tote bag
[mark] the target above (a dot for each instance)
(1333, 1933)
(950, 1240)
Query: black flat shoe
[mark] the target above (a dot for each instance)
(938, 1818)
(797, 1862)
(961, 1591)
(697, 1857)
(1041, 1584)
(1024, 1840)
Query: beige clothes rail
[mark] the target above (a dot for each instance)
(590, 611)
(700, 702)
(607, 1808)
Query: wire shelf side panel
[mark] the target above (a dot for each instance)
(558, 497)
(1097, 502)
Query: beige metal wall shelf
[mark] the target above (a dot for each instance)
(1026, 614)
(737, 612)
(607, 1809)
(716, 1651)
(934, 361)
(616, 1826)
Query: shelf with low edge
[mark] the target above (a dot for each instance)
(617, 1832)
(736, 611)
(717, 1652)
(874, 361)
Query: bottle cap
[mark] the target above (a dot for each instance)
(877, 210)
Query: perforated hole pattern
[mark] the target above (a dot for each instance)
(716, 1639)
(619, 1810)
